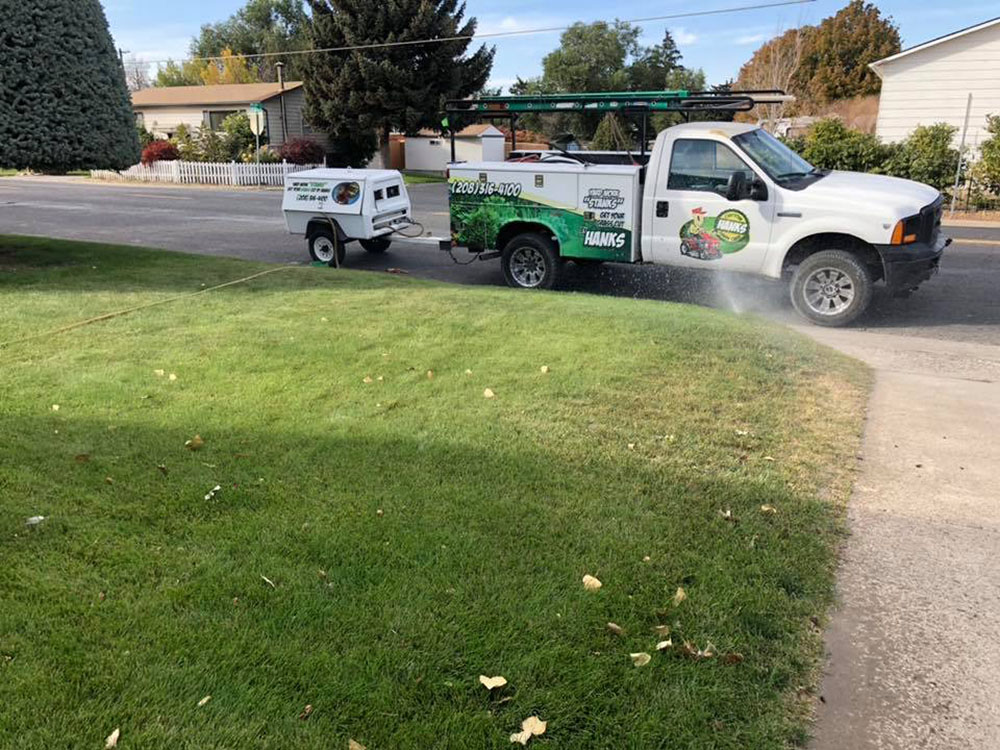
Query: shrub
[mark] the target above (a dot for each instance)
(186, 145)
(267, 155)
(145, 137)
(237, 135)
(987, 168)
(303, 151)
(830, 144)
(160, 151)
(926, 156)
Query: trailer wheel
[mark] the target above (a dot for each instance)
(376, 244)
(531, 261)
(322, 245)
(831, 288)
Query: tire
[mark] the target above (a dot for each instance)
(321, 247)
(832, 288)
(531, 261)
(376, 245)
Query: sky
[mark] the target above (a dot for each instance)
(718, 44)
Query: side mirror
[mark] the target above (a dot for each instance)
(736, 187)
(758, 190)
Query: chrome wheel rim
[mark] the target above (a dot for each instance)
(323, 249)
(527, 266)
(829, 291)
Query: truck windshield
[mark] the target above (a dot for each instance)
(774, 157)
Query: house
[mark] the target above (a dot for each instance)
(931, 83)
(162, 109)
(430, 152)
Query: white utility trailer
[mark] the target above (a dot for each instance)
(332, 207)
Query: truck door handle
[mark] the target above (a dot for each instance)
(662, 209)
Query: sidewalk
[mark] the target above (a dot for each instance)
(915, 644)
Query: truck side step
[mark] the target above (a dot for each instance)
(490, 255)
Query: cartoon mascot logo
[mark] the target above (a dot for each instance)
(711, 237)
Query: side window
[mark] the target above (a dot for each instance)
(704, 165)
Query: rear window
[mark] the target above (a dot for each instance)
(392, 191)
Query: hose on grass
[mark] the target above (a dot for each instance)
(137, 308)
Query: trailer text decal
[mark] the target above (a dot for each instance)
(603, 199)
(595, 238)
(470, 187)
(711, 237)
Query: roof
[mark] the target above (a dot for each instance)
(196, 96)
(470, 131)
(934, 42)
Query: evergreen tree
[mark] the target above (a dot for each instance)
(63, 100)
(355, 94)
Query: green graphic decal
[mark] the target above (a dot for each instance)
(710, 237)
(479, 210)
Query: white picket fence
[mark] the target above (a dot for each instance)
(204, 173)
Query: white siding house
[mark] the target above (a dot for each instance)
(431, 152)
(931, 83)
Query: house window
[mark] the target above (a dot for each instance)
(215, 119)
(140, 120)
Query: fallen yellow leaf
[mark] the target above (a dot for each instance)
(172, 377)
(615, 628)
(590, 583)
(640, 659)
(488, 393)
(306, 712)
(204, 700)
(530, 727)
(679, 596)
(491, 683)
(112, 739)
(55, 407)
(664, 645)
(195, 443)
(769, 509)
(468, 372)
(544, 369)
(367, 379)
(353, 745)
(430, 374)
(662, 630)
(159, 373)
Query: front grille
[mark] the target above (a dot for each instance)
(930, 221)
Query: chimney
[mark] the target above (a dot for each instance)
(280, 67)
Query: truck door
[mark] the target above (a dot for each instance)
(693, 223)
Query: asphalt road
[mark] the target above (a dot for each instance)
(959, 304)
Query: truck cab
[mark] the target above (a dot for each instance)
(730, 196)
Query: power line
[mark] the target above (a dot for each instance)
(492, 35)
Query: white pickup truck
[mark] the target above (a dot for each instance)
(723, 196)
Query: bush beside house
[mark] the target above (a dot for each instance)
(926, 156)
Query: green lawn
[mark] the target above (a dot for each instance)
(413, 178)
(413, 533)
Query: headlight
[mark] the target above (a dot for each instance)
(906, 230)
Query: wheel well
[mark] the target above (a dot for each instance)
(510, 230)
(317, 224)
(834, 241)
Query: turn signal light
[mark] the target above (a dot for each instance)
(904, 232)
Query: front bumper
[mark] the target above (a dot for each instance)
(906, 267)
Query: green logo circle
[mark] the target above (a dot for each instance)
(733, 227)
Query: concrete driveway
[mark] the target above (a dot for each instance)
(915, 644)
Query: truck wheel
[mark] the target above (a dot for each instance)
(376, 244)
(322, 245)
(831, 288)
(531, 261)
